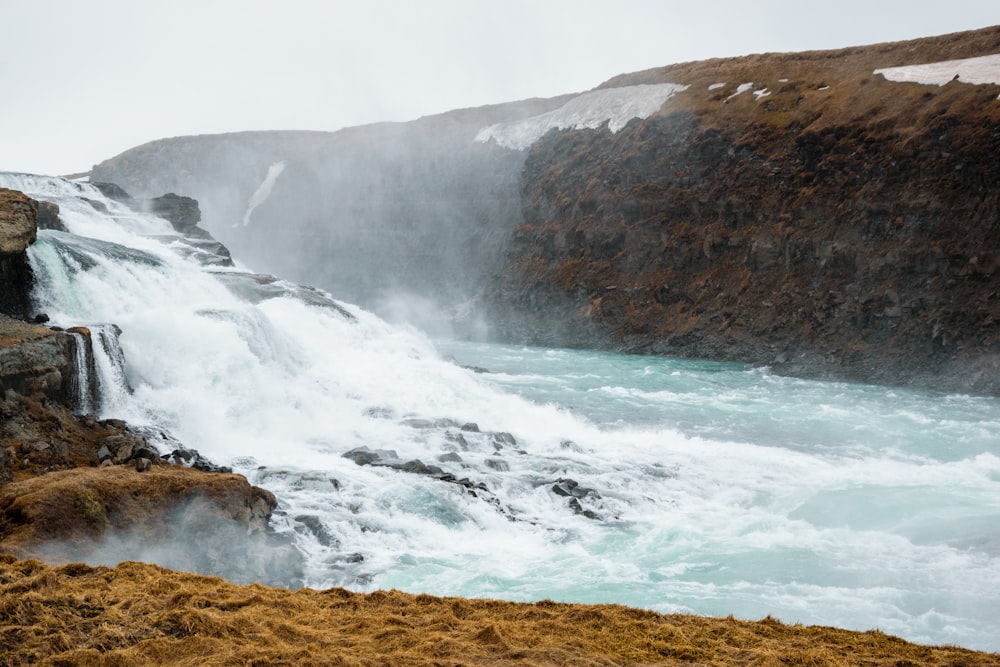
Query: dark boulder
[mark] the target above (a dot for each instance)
(112, 191)
(48, 216)
(182, 212)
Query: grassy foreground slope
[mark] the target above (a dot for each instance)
(137, 614)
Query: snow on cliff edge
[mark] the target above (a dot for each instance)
(984, 69)
(614, 106)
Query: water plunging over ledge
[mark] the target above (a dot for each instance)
(572, 475)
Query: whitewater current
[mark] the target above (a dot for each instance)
(678, 486)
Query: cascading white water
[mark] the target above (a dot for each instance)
(677, 486)
(83, 390)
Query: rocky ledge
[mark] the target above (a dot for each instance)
(75, 488)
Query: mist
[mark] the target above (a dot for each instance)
(407, 220)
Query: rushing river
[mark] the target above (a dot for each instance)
(581, 476)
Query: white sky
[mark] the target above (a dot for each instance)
(81, 81)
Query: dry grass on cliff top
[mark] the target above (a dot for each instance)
(139, 614)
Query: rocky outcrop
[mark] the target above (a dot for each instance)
(35, 359)
(182, 212)
(178, 517)
(75, 488)
(48, 216)
(18, 229)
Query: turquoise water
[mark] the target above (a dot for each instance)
(817, 502)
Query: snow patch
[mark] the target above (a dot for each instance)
(263, 190)
(614, 106)
(984, 69)
(716, 86)
(763, 92)
(740, 89)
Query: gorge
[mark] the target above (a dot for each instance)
(838, 223)
(799, 211)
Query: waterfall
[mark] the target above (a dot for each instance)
(573, 475)
(84, 389)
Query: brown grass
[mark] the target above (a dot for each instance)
(139, 614)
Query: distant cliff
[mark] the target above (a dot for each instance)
(797, 210)
(417, 210)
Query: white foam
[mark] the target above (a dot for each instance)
(614, 106)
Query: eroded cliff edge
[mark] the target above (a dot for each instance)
(807, 214)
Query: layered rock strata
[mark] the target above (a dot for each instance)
(822, 220)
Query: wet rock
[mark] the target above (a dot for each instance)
(315, 527)
(570, 488)
(577, 508)
(112, 191)
(471, 427)
(450, 457)
(498, 465)
(191, 458)
(48, 216)
(501, 440)
(417, 467)
(182, 212)
(458, 439)
(415, 422)
(35, 359)
(362, 456)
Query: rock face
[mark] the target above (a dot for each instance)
(796, 210)
(836, 224)
(182, 212)
(18, 229)
(35, 359)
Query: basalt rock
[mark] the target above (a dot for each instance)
(18, 229)
(35, 359)
(182, 212)
(833, 223)
(48, 216)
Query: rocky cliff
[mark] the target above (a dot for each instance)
(807, 211)
(797, 210)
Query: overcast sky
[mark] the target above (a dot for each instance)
(83, 81)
